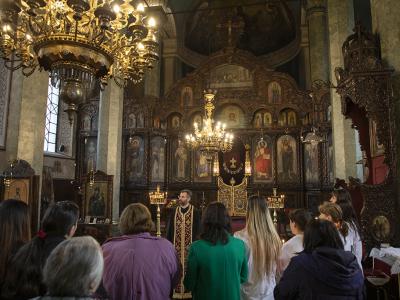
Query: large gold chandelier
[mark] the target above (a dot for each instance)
(210, 138)
(79, 42)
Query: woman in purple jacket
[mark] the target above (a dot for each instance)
(138, 265)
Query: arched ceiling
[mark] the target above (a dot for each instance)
(260, 27)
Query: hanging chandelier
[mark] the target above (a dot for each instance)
(211, 137)
(79, 42)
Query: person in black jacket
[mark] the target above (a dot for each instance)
(24, 275)
(323, 270)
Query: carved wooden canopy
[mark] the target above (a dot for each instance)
(365, 83)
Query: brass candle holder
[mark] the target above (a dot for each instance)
(158, 198)
(8, 176)
(91, 178)
(247, 164)
(91, 173)
(276, 202)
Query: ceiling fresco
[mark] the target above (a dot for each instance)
(260, 27)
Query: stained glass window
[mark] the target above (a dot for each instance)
(50, 135)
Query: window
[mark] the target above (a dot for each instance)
(50, 132)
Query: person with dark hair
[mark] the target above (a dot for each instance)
(73, 269)
(323, 270)
(14, 232)
(263, 247)
(299, 218)
(217, 263)
(139, 266)
(353, 240)
(182, 229)
(340, 195)
(24, 276)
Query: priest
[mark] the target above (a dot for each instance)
(182, 229)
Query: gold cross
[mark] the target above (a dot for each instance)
(230, 26)
(233, 162)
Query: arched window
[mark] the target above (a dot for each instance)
(50, 133)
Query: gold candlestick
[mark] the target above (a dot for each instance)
(276, 202)
(158, 198)
(91, 172)
(8, 176)
(247, 164)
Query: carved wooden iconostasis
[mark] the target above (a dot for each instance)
(255, 103)
(364, 85)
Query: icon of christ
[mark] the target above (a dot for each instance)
(263, 165)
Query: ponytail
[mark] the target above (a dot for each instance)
(344, 229)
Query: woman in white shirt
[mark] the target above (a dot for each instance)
(353, 241)
(263, 247)
(332, 212)
(298, 221)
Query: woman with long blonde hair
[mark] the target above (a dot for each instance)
(263, 247)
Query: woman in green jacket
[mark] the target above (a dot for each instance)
(217, 263)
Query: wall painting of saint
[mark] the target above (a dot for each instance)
(197, 118)
(157, 161)
(187, 96)
(131, 121)
(202, 168)
(90, 154)
(96, 206)
(18, 190)
(135, 159)
(180, 161)
(291, 118)
(86, 120)
(282, 121)
(258, 119)
(267, 119)
(311, 169)
(175, 122)
(233, 116)
(140, 120)
(263, 159)
(274, 93)
(287, 159)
